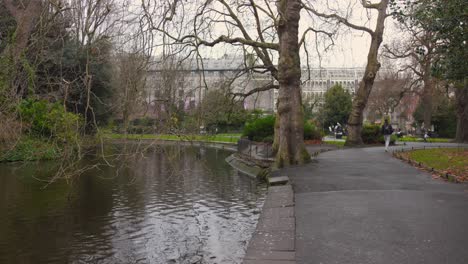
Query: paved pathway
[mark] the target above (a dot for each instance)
(363, 206)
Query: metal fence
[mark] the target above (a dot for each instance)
(255, 150)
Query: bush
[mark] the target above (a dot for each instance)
(268, 139)
(311, 132)
(30, 149)
(49, 120)
(372, 134)
(260, 128)
(263, 129)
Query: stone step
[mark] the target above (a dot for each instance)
(278, 180)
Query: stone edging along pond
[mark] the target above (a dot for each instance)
(196, 143)
(399, 155)
(274, 237)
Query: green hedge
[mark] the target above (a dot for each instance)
(311, 132)
(372, 134)
(263, 129)
(260, 129)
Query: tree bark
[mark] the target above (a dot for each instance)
(25, 19)
(461, 96)
(365, 87)
(276, 139)
(427, 96)
(25, 22)
(291, 147)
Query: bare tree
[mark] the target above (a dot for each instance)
(388, 92)
(419, 54)
(166, 90)
(130, 82)
(261, 29)
(93, 22)
(365, 87)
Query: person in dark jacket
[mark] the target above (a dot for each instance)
(387, 131)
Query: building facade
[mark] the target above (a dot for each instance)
(188, 84)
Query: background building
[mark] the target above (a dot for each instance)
(190, 81)
(185, 85)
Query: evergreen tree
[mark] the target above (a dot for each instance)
(337, 106)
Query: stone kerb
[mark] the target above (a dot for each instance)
(274, 238)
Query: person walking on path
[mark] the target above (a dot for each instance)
(426, 135)
(387, 131)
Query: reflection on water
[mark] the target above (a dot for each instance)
(180, 205)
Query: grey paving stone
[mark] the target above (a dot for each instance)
(269, 262)
(361, 206)
(276, 223)
(270, 255)
(280, 189)
(278, 212)
(281, 196)
(273, 240)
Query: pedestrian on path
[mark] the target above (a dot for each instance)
(426, 135)
(387, 131)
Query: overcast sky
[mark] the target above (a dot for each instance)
(350, 49)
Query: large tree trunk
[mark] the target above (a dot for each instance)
(276, 139)
(291, 148)
(427, 95)
(461, 96)
(25, 21)
(365, 87)
(26, 18)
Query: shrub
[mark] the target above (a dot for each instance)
(49, 119)
(263, 129)
(29, 149)
(372, 134)
(260, 128)
(268, 139)
(311, 132)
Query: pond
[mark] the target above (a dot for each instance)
(174, 205)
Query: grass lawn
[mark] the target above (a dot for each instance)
(449, 160)
(223, 138)
(336, 143)
(430, 140)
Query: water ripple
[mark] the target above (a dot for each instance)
(158, 210)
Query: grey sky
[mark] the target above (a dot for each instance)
(351, 46)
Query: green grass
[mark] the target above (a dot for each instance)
(30, 149)
(430, 140)
(336, 143)
(222, 138)
(451, 160)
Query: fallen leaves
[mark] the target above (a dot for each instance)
(440, 162)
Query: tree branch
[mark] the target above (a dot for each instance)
(256, 90)
(11, 8)
(226, 39)
(368, 4)
(330, 35)
(340, 19)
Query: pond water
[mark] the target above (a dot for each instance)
(175, 205)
